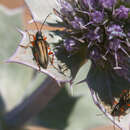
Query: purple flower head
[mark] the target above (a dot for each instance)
(107, 3)
(100, 26)
(89, 4)
(66, 7)
(97, 17)
(77, 23)
(122, 12)
(70, 44)
(115, 31)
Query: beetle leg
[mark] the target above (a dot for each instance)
(31, 42)
(115, 102)
(28, 45)
(44, 38)
(52, 60)
(34, 38)
(51, 53)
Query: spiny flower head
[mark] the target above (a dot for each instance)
(103, 27)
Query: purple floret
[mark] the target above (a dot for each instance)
(122, 12)
(97, 17)
(77, 23)
(107, 3)
(70, 44)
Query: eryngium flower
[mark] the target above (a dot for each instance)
(103, 27)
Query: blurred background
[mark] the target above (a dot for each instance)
(66, 111)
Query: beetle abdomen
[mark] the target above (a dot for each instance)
(40, 52)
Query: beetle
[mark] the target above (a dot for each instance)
(40, 47)
(123, 105)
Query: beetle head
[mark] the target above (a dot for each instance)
(39, 35)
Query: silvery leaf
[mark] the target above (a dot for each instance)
(25, 56)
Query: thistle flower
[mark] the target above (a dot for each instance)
(100, 29)
(102, 26)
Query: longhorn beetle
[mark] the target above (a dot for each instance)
(123, 105)
(40, 47)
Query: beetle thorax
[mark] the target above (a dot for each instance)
(39, 35)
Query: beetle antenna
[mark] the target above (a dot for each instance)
(34, 22)
(44, 21)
